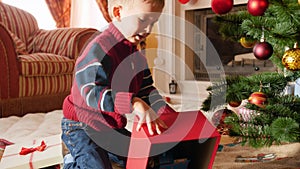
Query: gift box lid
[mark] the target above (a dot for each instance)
(184, 127)
(189, 125)
(33, 158)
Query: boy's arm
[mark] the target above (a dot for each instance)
(151, 95)
(92, 75)
(147, 116)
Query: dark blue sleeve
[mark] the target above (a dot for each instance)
(92, 77)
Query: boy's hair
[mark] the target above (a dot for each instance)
(129, 3)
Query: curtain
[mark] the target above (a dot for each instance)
(103, 8)
(60, 10)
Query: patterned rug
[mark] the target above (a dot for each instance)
(236, 156)
(287, 157)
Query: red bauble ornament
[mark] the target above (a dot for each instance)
(235, 103)
(263, 50)
(259, 99)
(183, 1)
(168, 99)
(257, 7)
(221, 6)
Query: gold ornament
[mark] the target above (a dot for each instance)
(246, 43)
(291, 59)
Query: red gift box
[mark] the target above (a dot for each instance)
(189, 128)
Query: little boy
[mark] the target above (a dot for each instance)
(112, 79)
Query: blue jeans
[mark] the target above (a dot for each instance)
(86, 153)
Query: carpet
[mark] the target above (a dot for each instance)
(287, 157)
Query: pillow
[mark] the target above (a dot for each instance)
(19, 44)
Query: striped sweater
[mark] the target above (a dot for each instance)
(109, 72)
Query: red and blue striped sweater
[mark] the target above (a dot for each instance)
(109, 72)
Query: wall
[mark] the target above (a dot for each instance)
(151, 47)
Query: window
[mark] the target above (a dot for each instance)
(87, 14)
(38, 8)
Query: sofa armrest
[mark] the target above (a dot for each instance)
(64, 41)
(9, 73)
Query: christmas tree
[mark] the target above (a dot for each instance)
(275, 116)
(279, 26)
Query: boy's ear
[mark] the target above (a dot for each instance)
(116, 12)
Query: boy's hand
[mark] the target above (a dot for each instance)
(148, 116)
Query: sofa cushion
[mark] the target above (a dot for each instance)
(45, 64)
(63, 41)
(45, 85)
(20, 22)
(19, 44)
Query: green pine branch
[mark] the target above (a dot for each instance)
(280, 26)
(238, 88)
(277, 123)
(285, 130)
(255, 134)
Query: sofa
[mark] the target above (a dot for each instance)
(36, 64)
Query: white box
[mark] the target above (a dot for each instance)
(52, 155)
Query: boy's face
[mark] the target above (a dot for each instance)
(136, 21)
